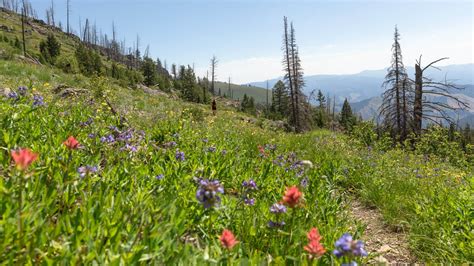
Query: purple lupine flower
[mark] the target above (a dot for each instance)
(91, 136)
(276, 162)
(114, 128)
(88, 122)
(207, 193)
(347, 246)
(86, 170)
(278, 208)
(304, 182)
(13, 95)
(22, 90)
(249, 202)
(224, 152)
(179, 155)
(38, 100)
(125, 136)
(108, 139)
(170, 144)
(211, 149)
(160, 176)
(273, 224)
(131, 148)
(205, 140)
(249, 184)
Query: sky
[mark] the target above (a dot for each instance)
(334, 37)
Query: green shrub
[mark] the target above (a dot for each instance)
(435, 142)
(364, 132)
(68, 64)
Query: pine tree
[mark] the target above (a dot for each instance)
(320, 113)
(321, 100)
(347, 119)
(50, 49)
(149, 72)
(280, 99)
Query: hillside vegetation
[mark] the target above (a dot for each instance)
(96, 170)
(137, 202)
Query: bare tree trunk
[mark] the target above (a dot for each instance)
(68, 10)
(405, 111)
(213, 73)
(418, 105)
(288, 67)
(23, 30)
(52, 13)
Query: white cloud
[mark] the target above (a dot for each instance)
(350, 58)
(247, 69)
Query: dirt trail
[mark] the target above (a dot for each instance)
(391, 247)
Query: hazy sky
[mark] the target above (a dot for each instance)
(334, 37)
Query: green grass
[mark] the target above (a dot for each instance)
(123, 214)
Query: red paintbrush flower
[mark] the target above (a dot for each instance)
(314, 247)
(292, 196)
(227, 239)
(23, 158)
(71, 143)
(313, 234)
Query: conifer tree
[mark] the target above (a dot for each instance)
(149, 72)
(280, 99)
(321, 100)
(347, 119)
(50, 49)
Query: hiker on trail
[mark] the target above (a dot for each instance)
(214, 107)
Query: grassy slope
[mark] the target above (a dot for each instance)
(259, 94)
(34, 34)
(437, 210)
(124, 202)
(386, 180)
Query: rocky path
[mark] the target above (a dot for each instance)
(391, 247)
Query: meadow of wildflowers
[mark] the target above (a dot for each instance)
(80, 186)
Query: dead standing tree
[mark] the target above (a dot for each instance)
(288, 68)
(398, 96)
(426, 107)
(213, 73)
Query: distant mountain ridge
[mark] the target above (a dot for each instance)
(368, 83)
(368, 109)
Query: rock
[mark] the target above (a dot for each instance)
(151, 91)
(384, 249)
(381, 260)
(5, 28)
(71, 92)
